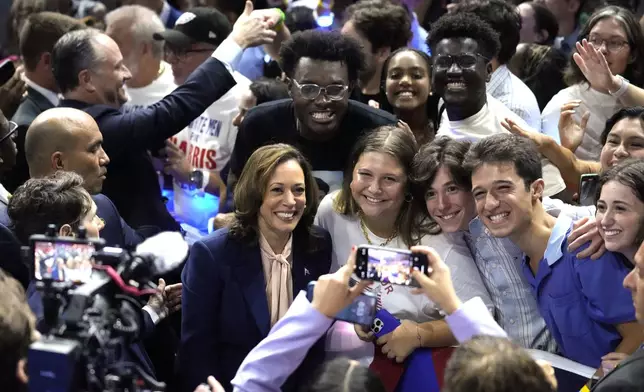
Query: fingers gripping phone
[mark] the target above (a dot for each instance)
(389, 265)
(588, 189)
(361, 311)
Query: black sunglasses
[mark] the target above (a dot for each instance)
(13, 127)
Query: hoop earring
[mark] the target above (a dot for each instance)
(409, 197)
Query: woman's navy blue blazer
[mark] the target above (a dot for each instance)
(225, 309)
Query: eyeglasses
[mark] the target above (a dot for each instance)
(612, 45)
(181, 54)
(13, 127)
(334, 92)
(463, 60)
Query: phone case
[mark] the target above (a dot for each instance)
(347, 314)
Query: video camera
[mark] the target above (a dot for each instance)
(91, 297)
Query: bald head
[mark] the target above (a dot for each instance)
(66, 139)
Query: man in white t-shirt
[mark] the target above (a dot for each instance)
(462, 45)
(132, 27)
(199, 152)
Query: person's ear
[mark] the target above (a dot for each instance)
(537, 188)
(85, 80)
(57, 162)
(382, 54)
(21, 371)
(289, 84)
(574, 6)
(144, 48)
(45, 59)
(66, 231)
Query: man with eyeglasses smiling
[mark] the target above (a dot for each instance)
(322, 69)
(463, 46)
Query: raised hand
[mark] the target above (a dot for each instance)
(176, 164)
(538, 138)
(252, 30)
(593, 65)
(572, 133)
(332, 292)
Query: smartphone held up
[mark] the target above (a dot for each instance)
(388, 265)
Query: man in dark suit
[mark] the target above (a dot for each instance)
(89, 70)
(69, 139)
(628, 375)
(37, 39)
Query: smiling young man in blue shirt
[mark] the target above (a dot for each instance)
(583, 302)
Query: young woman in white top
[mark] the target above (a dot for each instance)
(616, 32)
(377, 205)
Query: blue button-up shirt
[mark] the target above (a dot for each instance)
(581, 300)
(516, 311)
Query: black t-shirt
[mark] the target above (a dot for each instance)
(274, 122)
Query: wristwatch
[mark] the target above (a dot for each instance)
(197, 180)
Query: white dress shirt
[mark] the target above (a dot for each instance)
(515, 95)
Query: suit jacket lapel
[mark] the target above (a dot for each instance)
(250, 276)
(304, 266)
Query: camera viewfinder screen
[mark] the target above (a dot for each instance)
(389, 267)
(63, 261)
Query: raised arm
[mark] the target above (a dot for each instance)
(149, 127)
(570, 167)
(273, 360)
(594, 66)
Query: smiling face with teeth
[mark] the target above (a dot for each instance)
(504, 202)
(462, 86)
(407, 83)
(284, 201)
(378, 186)
(319, 118)
(625, 140)
(620, 215)
(448, 204)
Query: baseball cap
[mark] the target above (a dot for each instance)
(199, 24)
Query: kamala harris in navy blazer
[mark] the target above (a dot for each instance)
(225, 310)
(225, 305)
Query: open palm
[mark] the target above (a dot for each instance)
(593, 65)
